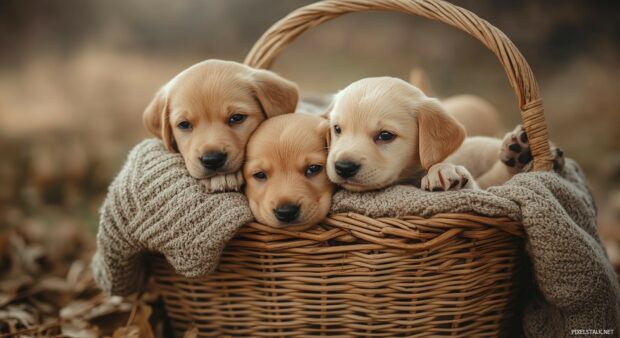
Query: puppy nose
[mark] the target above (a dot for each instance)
(213, 160)
(287, 213)
(347, 169)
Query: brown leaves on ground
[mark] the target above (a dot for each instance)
(46, 289)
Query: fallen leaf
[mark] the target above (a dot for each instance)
(141, 318)
(75, 308)
(20, 313)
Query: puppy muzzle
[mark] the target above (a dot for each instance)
(347, 169)
(287, 213)
(213, 160)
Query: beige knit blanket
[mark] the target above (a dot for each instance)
(154, 205)
(576, 287)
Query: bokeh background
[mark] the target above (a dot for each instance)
(75, 76)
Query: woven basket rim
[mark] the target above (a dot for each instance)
(380, 232)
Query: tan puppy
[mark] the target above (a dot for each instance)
(386, 131)
(208, 112)
(286, 182)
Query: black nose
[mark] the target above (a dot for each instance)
(214, 160)
(347, 169)
(287, 213)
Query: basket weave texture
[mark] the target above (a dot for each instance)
(354, 276)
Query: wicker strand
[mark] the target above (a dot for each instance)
(519, 73)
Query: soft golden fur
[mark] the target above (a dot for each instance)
(423, 136)
(278, 170)
(209, 97)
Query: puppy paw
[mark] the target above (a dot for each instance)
(558, 158)
(224, 183)
(516, 153)
(448, 177)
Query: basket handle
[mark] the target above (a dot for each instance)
(273, 41)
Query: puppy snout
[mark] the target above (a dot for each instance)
(213, 160)
(347, 169)
(287, 213)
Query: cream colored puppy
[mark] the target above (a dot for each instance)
(286, 182)
(386, 131)
(208, 112)
(492, 161)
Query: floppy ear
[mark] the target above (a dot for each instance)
(439, 134)
(156, 119)
(275, 94)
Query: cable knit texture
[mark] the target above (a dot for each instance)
(153, 204)
(577, 287)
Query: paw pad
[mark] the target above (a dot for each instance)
(516, 154)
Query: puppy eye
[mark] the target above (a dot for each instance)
(185, 125)
(337, 129)
(236, 118)
(312, 170)
(385, 136)
(261, 176)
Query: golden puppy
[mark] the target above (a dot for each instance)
(386, 131)
(208, 112)
(286, 183)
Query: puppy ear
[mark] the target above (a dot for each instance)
(156, 119)
(275, 94)
(439, 134)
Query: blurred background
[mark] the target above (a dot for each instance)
(75, 76)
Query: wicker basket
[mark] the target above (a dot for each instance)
(354, 276)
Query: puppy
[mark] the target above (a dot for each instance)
(208, 112)
(479, 152)
(386, 131)
(286, 183)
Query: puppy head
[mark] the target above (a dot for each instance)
(286, 183)
(208, 112)
(384, 130)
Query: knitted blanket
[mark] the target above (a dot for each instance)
(577, 287)
(153, 204)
